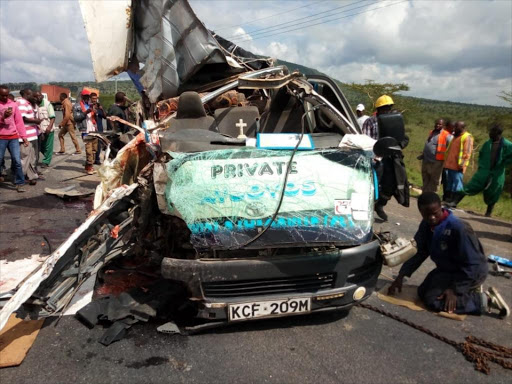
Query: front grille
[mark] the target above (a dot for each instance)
(296, 284)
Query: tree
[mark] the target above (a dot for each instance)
(507, 96)
(373, 90)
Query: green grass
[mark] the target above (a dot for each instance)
(107, 100)
(476, 204)
(417, 135)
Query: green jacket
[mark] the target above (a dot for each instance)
(490, 181)
(503, 160)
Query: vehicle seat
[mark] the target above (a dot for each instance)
(228, 118)
(191, 114)
(284, 114)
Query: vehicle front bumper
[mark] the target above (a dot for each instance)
(330, 278)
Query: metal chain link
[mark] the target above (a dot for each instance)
(471, 348)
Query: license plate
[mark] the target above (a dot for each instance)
(272, 308)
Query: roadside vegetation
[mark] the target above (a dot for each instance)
(419, 114)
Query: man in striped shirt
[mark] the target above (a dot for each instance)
(28, 153)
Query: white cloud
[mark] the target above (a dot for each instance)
(281, 50)
(43, 41)
(454, 50)
(439, 48)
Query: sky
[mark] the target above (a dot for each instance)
(444, 50)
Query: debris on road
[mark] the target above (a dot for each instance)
(16, 339)
(475, 350)
(500, 260)
(80, 256)
(159, 298)
(70, 191)
(409, 298)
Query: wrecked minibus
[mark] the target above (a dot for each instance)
(251, 186)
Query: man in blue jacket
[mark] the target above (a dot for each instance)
(461, 266)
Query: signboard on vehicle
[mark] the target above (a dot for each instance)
(228, 196)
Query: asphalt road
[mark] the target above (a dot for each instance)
(356, 347)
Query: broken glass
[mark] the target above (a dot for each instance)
(226, 197)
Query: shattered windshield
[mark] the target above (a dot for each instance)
(227, 197)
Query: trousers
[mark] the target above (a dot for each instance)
(29, 159)
(431, 175)
(453, 180)
(69, 128)
(91, 147)
(46, 147)
(13, 145)
(469, 300)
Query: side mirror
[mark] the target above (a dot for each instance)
(386, 146)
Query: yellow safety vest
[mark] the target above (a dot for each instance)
(463, 139)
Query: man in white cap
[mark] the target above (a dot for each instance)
(361, 117)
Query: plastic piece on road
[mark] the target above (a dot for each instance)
(170, 328)
(90, 314)
(115, 333)
(500, 260)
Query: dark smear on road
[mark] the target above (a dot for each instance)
(152, 361)
(68, 168)
(86, 205)
(7, 252)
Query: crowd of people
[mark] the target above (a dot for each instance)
(455, 285)
(445, 158)
(27, 130)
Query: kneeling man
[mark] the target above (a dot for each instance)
(455, 284)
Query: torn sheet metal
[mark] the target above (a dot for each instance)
(82, 297)
(123, 169)
(30, 286)
(160, 180)
(173, 44)
(165, 36)
(109, 30)
(227, 197)
(12, 273)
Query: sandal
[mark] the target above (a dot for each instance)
(497, 302)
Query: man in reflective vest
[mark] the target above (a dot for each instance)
(433, 156)
(455, 163)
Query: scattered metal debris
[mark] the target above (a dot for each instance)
(70, 191)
